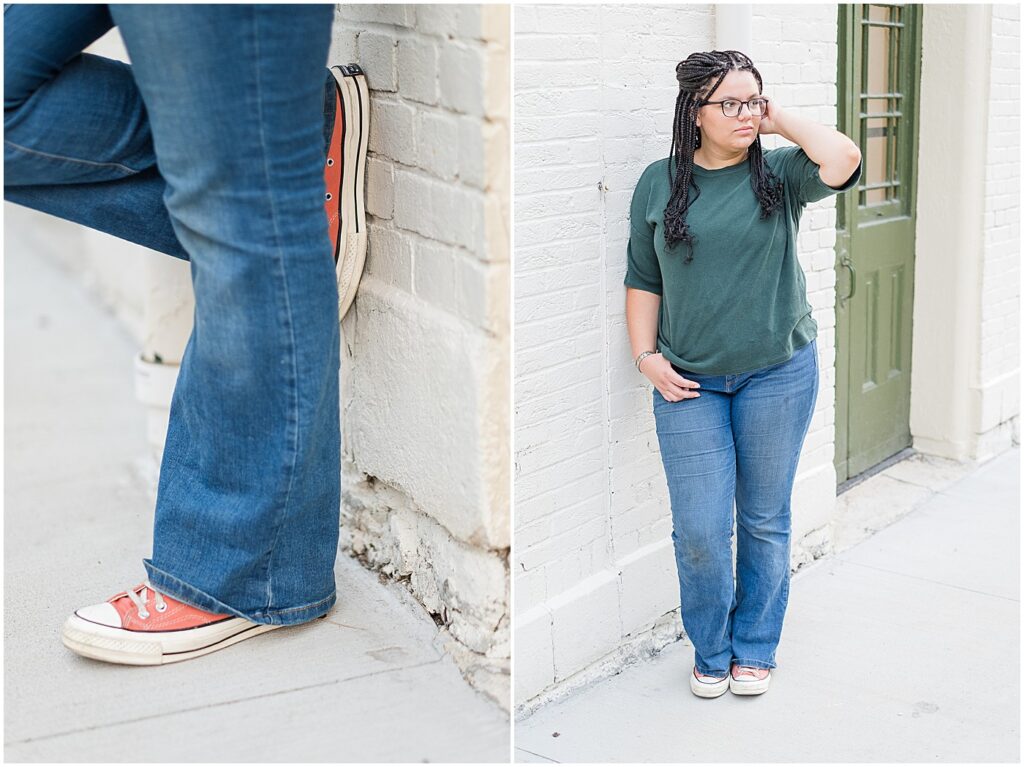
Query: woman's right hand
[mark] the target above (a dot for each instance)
(673, 387)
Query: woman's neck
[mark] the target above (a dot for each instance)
(713, 160)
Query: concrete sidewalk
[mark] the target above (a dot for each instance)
(904, 648)
(370, 683)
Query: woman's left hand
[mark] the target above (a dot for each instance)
(769, 120)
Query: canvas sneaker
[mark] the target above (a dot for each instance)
(345, 180)
(749, 680)
(705, 686)
(142, 627)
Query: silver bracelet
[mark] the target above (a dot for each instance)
(640, 358)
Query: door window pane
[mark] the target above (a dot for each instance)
(879, 12)
(878, 59)
(876, 165)
(877, 106)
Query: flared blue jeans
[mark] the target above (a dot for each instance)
(209, 147)
(739, 441)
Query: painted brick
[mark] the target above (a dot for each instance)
(380, 188)
(463, 74)
(438, 19)
(377, 57)
(530, 590)
(648, 576)
(439, 211)
(494, 22)
(392, 130)
(380, 13)
(534, 639)
(999, 353)
(496, 97)
(585, 624)
(437, 139)
(474, 139)
(418, 69)
(389, 256)
(496, 227)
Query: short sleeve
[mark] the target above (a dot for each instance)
(803, 174)
(642, 268)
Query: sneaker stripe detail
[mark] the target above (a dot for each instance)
(245, 630)
(359, 150)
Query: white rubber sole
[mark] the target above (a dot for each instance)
(752, 687)
(155, 648)
(708, 689)
(355, 101)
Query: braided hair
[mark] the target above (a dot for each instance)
(699, 75)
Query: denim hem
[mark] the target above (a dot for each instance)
(718, 674)
(177, 589)
(754, 663)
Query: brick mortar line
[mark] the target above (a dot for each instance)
(421, 239)
(416, 170)
(359, 26)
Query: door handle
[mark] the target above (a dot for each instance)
(845, 261)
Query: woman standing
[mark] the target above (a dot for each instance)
(718, 319)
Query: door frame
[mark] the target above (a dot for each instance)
(847, 122)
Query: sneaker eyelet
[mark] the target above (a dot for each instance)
(330, 161)
(143, 616)
(329, 196)
(161, 608)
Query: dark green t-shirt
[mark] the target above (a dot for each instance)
(741, 304)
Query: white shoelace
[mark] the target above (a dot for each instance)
(140, 604)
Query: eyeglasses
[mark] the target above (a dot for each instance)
(731, 107)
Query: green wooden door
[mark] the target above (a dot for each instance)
(879, 74)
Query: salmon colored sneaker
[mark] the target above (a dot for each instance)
(749, 680)
(345, 180)
(143, 627)
(332, 175)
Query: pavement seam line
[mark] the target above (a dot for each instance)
(217, 705)
(928, 580)
(534, 753)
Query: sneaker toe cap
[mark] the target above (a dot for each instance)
(105, 614)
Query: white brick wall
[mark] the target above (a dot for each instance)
(425, 355)
(999, 343)
(595, 88)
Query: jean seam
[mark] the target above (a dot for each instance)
(177, 586)
(309, 606)
(713, 673)
(180, 587)
(49, 156)
(293, 421)
(751, 662)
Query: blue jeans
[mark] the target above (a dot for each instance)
(740, 439)
(209, 147)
